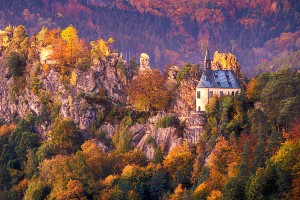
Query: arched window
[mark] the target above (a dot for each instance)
(232, 93)
(199, 108)
(198, 95)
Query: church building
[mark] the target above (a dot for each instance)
(214, 82)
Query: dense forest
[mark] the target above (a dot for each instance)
(172, 31)
(249, 147)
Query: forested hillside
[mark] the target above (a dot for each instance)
(78, 122)
(171, 31)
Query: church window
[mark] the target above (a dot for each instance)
(211, 94)
(232, 93)
(199, 108)
(221, 93)
(198, 94)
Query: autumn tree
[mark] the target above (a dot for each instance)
(199, 161)
(19, 35)
(147, 91)
(31, 164)
(101, 48)
(66, 137)
(245, 167)
(123, 137)
(287, 158)
(179, 163)
(67, 176)
(68, 49)
(262, 184)
(95, 158)
(180, 193)
(72, 48)
(223, 163)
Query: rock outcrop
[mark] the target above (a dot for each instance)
(83, 96)
(166, 138)
(228, 61)
(184, 101)
(82, 100)
(144, 62)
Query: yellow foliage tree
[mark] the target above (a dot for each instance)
(201, 192)
(180, 193)
(74, 190)
(72, 48)
(251, 91)
(215, 195)
(100, 48)
(5, 130)
(179, 163)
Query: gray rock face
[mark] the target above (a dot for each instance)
(166, 138)
(184, 101)
(82, 102)
(101, 79)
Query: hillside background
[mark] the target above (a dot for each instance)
(173, 31)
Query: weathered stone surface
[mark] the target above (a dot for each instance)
(86, 81)
(74, 101)
(166, 138)
(144, 62)
(184, 101)
(108, 129)
(225, 61)
(228, 61)
(71, 98)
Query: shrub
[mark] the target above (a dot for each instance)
(15, 63)
(184, 72)
(167, 121)
(83, 63)
(73, 78)
(35, 84)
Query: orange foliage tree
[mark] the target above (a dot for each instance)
(148, 91)
(223, 163)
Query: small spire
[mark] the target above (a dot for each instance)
(207, 57)
(207, 60)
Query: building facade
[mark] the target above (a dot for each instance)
(214, 82)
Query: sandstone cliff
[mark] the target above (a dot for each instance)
(81, 98)
(228, 61)
(88, 96)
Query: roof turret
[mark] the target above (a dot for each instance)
(207, 61)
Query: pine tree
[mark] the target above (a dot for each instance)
(31, 165)
(259, 155)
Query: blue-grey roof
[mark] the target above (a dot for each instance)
(218, 79)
